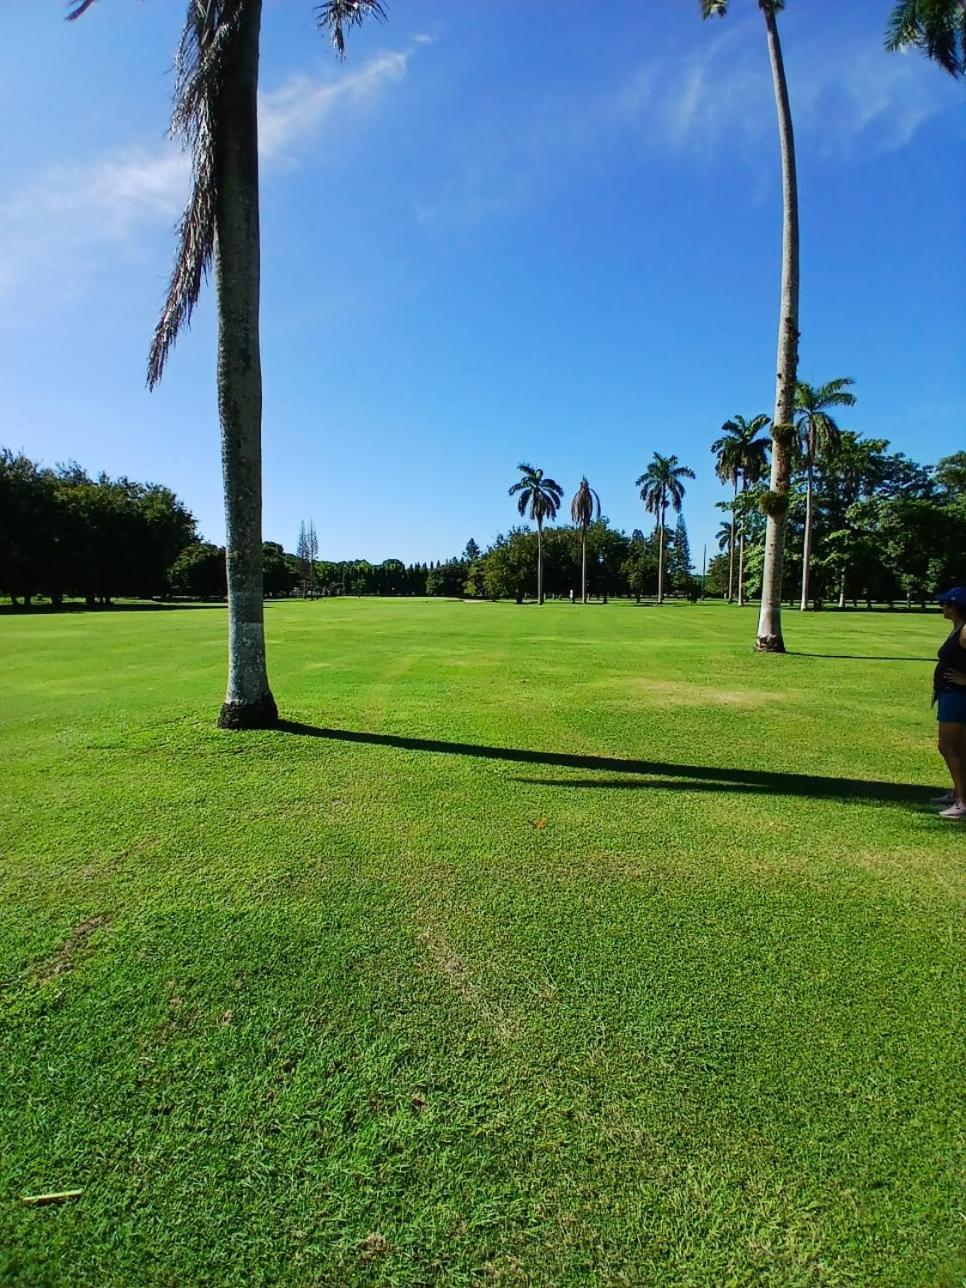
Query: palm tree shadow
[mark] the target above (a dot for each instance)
(660, 774)
(862, 657)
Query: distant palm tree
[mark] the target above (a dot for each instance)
(216, 117)
(741, 454)
(724, 536)
(818, 435)
(661, 486)
(538, 498)
(584, 508)
(937, 27)
(775, 503)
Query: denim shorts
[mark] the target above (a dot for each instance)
(952, 707)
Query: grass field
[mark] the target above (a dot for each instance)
(544, 946)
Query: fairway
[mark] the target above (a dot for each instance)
(541, 946)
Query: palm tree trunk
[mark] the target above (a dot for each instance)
(769, 638)
(807, 548)
(731, 546)
(660, 560)
(583, 566)
(248, 701)
(741, 569)
(539, 562)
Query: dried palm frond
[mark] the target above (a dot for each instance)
(207, 42)
(336, 15)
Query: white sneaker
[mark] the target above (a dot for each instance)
(957, 811)
(947, 798)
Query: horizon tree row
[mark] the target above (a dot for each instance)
(539, 498)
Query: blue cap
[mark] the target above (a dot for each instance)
(955, 596)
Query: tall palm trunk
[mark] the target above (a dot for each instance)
(583, 566)
(660, 558)
(769, 638)
(741, 556)
(248, 701)
(807, 548)
(539, 562)
(731, 546)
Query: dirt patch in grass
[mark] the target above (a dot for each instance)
(74, 946)
(505, 1026)
(680, 693)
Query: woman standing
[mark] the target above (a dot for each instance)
(949, 693)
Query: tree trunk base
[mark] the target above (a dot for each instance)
(769, 644)
(262, 714)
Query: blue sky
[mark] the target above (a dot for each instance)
(497, 232)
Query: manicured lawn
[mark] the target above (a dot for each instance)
(549, 946)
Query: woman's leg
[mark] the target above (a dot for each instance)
(952, 748)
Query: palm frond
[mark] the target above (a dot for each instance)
(207, 43)
(585, 505)
(336, 16)
(937, 27)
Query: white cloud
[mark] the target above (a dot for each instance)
(292, 113)
(55, 229)
(848, 97)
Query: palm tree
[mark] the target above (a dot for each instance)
(775, 502)
(539, 498)
(661, 486)
(584, 508)
(215, 116)
(937, 27)
(818, 433)
(740, 454)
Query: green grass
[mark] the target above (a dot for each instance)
(672, 1000)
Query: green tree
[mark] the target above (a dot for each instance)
(680, 563)
(447, 579)
(661, 486)
(509, 566)
(276, 573)
(199, 572)
(853, 475)
(741, 454)
(769, 637)
(818, 434)
(584, 508)
(538, 497)
(950, 474)
(936, 27)
(716, 578)
(29, 529)
(216, 116)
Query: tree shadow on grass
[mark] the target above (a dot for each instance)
(661, 774)
(862, 657)
(51, 610)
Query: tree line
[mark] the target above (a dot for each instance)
(863, 523)
(65, 534)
